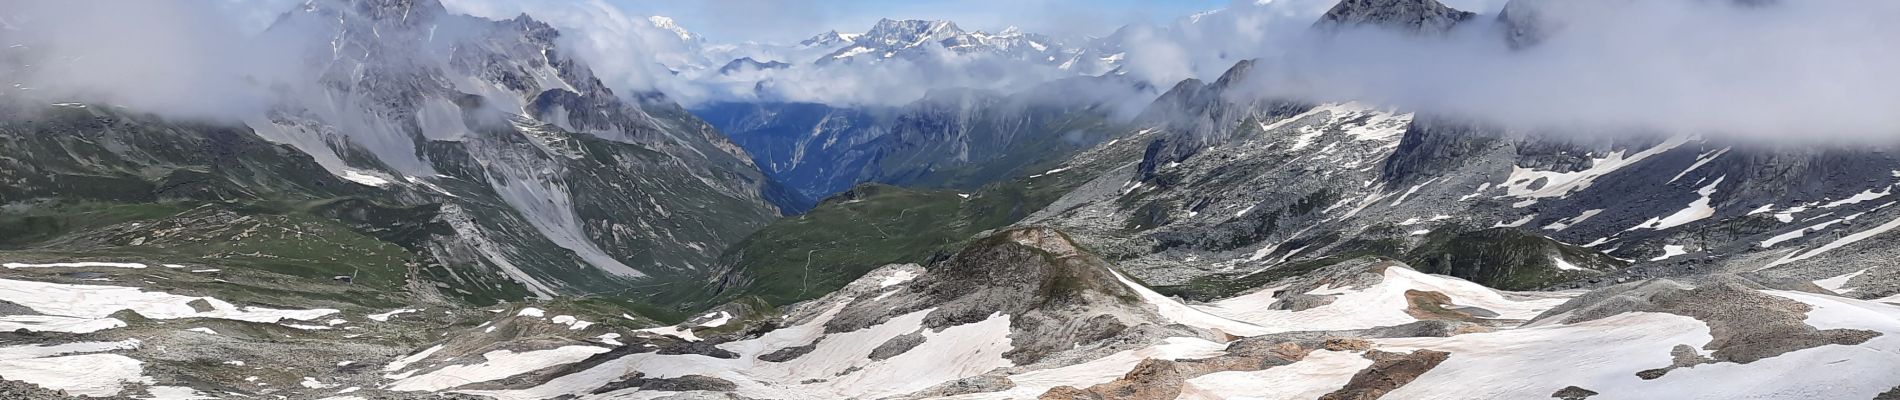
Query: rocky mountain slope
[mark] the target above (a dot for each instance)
(1220, 245)
(1022, 313)
(951, 139)
(912, 39)
(471, 153)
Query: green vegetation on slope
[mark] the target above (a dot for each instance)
(846, 236)
(1505, 258)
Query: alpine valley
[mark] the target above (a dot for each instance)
(422, 203)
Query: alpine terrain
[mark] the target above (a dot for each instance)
(455, 199)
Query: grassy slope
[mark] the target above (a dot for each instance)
(807, 256)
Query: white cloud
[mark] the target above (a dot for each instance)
(1809, 69)
(187, 58)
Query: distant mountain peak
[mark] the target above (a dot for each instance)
(910, 32)
(744, 63)
(892, 38)
(1417, 16)
(667, 23)
(830, 38)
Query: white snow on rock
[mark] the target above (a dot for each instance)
(1321, 372)
(1697, 211)
(53, 368)
(573, 324)
(499, 364)
(1572, 221)
(43, 350)
(1671, 251)
(384, 317)
(1190, 316)
(718, 319)
(1825, 372)
(175, 393)
(96, 302)
(532, 312)
(674, 331)
(1700, 160)
(404, 362)
(1557, 184)
(88, 264)
(1513, 224)
(1528, 363)
(306, 327)
(54, 323)
(203, 330)
(898, 277)
(1837, 283)
(1562, 264)
(1867, 195)
(365, 178)
(1382, 304)
(836, 368)
(1791, 235)
(1602, 355)
(1837, 243)
(1102, 370)
(313, 383)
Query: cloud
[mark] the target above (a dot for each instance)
(626, 51)
(192, 59)
(1801, 70)
(1806, 69)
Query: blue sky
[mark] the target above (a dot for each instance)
(793, 20)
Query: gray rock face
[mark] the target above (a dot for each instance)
(952, 138)
(1416, 16)
(1573, 393)
(10, 389)
(897, 345)
(1748, 325)
(1528, 22)
(513, 168)
(1234, 183)
(918, 40)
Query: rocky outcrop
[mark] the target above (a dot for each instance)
(1747, 325)
(1414, 16)
(1389, 371)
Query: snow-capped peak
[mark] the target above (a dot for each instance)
(830, 38)
(909, 33)
(667, 23)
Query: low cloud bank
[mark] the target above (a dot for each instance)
(1756, 70)
(1787, 70)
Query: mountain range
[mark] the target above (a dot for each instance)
(451, 207)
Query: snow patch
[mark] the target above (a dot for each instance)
(87, 264)
(384, 317)
(1671, 251)
(498, 364)
(1562, 264)
(72, 307)
(1557, 184)
(365, 178)
(1837, 283)
(1698, 210)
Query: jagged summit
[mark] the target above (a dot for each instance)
(910, 32)
(915, 39)
(829, 39)
(667, 24)
(1419, 16)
